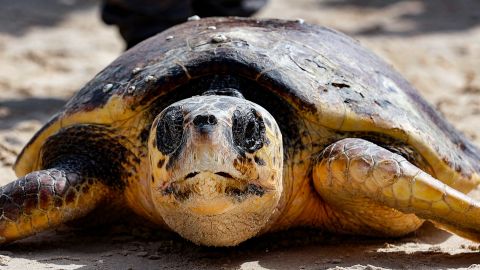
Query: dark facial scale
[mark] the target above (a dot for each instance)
(248, 130)
(170, 130)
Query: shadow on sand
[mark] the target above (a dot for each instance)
(17, 16)
(17, 110)
(432, 16)
(121, 247)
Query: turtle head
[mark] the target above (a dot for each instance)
(217, 168)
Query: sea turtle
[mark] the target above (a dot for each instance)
(222, 129)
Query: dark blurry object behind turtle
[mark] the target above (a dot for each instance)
(140, 19)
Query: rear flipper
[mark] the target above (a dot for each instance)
(47, 198)
(374, 191)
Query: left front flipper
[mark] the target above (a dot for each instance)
(376, 192)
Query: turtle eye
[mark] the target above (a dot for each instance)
(248, 130)
(170, 130)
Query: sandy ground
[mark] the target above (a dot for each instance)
(50, 48)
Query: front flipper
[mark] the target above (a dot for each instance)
(47, 198)
(374, 191)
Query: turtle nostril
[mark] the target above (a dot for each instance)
(212, 120)
(204, 120)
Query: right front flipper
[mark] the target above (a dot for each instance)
(47, 198)
(374, 191)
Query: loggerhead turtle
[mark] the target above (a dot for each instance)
(222, 129)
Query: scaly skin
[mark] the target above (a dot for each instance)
(47, 198)
(374, 191)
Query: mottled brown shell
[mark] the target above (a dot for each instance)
(325, 76)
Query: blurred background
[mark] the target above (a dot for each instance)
(50, 48)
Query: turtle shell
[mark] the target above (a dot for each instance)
(289, 67)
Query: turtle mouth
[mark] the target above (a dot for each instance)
(212, 185)
(223, 174)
